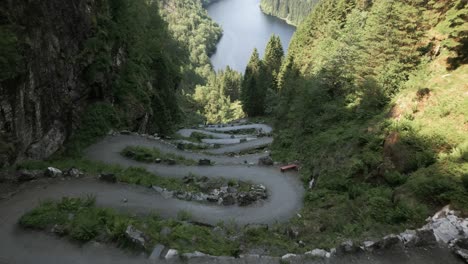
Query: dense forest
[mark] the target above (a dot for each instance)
(293, 11)
(372, 100)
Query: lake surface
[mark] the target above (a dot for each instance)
(245, 27)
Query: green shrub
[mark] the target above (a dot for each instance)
(464, 179)
(394, 178)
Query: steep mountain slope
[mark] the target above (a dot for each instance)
(374, 102)
(69, 65)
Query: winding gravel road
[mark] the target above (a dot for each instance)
(285, 200)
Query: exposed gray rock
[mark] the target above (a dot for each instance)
(245, 198)
(170, 254)
(425, 237)
(196, 254)
(265, 161)
(408, 237)
(389, 242)
(28, 175)
(157, 251)
(462, 253)
(229, 199)
(347, 247)
(108, 177)
(368, 245)
(136, 236)
(52, 172)
(74, 172)
(447, 226)
(288, 256)
(319, 253)
(157, 189)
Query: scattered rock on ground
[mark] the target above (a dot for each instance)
(73, 172)
(28, 175)
(171, 253)
(52, 172)
(157, 251)
(229, 199)
(265, 161)
(319, 253)
(347, 247)
(136, 236)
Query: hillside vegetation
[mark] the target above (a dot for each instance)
(293, 11)
(374, 103)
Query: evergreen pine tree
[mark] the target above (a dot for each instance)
(252, 92)
(272, 60)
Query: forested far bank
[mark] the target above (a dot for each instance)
(292, 11)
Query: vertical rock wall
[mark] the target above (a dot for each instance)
(38, 108)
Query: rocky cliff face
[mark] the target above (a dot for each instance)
(39, 107)
(75, 69)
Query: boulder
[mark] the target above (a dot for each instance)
(461, 243)
(108, 177)
(265, 161)
(212, 198)
(462, 253)
(157, 189)
(204, 162)
(196, 254)
(389, 242)
(228, 199)
(320, 253)
(200, 197)
(425, 237)
(245, 198)
(408, 237)
(28, 175)
(52, 172)
(170, 254)
(157, 252)
(368, 245)
(136, 236)
(347, 247)
(74, 172)
(288, 256)
(446, 228)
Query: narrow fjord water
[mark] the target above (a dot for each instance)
(245, 27)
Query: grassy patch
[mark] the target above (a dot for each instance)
(81, 220)
(152, 155)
